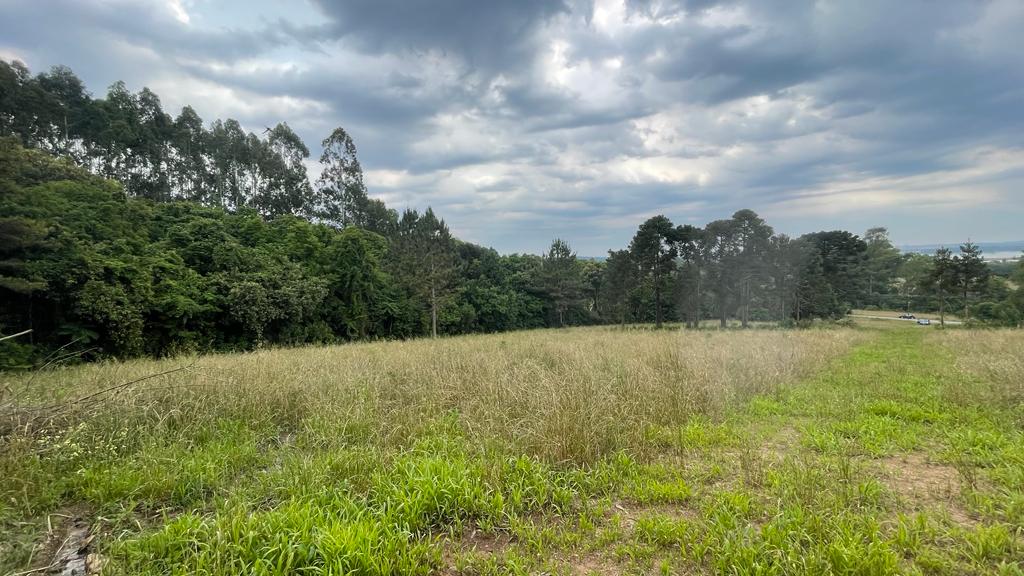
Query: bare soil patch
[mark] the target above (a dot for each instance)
(68, 547)
(923, 483)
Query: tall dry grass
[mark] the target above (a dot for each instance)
(993, 358)
(563, 395)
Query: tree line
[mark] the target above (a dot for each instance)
(130, 138)
(128, 232)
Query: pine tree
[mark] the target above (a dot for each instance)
(971, 274)
(561, 278)
(942, 278)
(653, 250)
(620, 279)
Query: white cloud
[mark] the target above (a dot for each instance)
(177, 8)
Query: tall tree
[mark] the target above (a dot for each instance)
(189, 174)
(786, 261)
(359, 282)
(562, 278)
(690, 250)
(341, 194)
(653, 250)
(229, 155)
(942, 279)
(427, 258)
(620, 275)
(752, 236)
(721, 250)
(913, 274)
(284, 185)
(842, 263)
(882, 260)
(971, 274)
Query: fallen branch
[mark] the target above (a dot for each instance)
(112, 389)
(22, 333)
(16, 417)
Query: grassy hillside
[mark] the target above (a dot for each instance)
(881, 448)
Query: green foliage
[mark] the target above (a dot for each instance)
(123, 277)
(178, 237)
(561, 277)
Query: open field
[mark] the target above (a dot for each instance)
(875, 449)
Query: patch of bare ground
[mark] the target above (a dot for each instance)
(778, 445)
(925, 484)
(67, 548)
(629, 512)
(473, 542)
(589, 564)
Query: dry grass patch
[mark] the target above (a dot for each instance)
(994, 359)
(564, 395)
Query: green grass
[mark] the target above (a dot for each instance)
(871, 450)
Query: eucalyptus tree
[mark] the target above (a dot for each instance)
(229, 152)
(63, 112)
(340, 192)
(190, 175)
(284, 187)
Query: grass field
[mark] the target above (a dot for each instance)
(951, 315)
(869, 450)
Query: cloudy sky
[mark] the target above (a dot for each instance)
(522, 120)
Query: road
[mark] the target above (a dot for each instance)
(934, 320)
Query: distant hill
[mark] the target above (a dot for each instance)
(992, 250)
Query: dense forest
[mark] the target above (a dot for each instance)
(125, 231)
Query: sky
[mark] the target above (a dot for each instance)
(520, 121)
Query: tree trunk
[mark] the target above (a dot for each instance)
(796, 304)
(657, 306)
(721, 313)
(696, 303)
(942, 308)
(433, 312)
(745, 295)
(967, 308)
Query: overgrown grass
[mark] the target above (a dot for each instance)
(870, 450)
